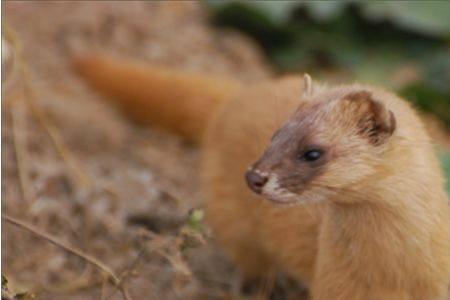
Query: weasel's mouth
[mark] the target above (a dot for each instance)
(268, 186)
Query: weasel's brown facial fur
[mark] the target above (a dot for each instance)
(332, 132)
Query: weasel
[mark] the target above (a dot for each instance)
(338, 186)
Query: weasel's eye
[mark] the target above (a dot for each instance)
(312, 155)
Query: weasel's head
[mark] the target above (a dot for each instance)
(333, 142)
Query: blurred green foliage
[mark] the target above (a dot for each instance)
(403, 45)
(195, 219)
(446, 163)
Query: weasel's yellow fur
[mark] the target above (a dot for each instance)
(383, 235)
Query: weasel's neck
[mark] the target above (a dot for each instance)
(378, 224)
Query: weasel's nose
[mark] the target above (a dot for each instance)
(255, 180)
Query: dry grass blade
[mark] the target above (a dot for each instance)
(20, 155)
(90, 259)
(29, 96)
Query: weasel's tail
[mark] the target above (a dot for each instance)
(178, 101)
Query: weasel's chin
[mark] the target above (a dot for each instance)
(280, 200)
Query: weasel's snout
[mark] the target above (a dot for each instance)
(256, 180)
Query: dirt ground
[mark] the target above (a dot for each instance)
(75, 168)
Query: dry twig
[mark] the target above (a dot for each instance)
(129, 270)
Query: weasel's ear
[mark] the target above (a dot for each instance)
(375, 121)
(307, 85)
